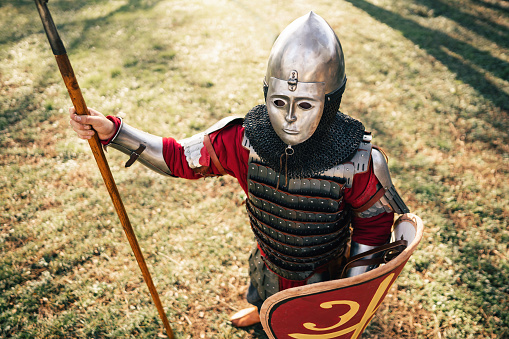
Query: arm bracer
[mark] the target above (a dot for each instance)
(145, 147)
(387, 198)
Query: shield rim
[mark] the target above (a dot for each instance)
(306, 290)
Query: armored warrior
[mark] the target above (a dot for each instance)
(310, 172)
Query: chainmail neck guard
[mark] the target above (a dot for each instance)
(335, 141)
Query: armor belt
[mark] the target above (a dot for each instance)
(300, 224)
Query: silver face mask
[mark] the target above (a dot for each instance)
(295, 114)
(305, 63)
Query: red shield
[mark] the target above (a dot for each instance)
(340, 308)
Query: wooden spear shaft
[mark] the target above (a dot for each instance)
(95, 144)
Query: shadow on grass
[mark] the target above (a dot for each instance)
(22, 108)
(256, 331)
(480, 23)
(461, 58)
(131, 6)
(495, 6)
(478, 269)
(14, 31)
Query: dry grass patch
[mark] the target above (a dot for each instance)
(428, 78)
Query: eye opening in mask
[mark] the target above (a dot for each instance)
(305, 105)
(279, 103)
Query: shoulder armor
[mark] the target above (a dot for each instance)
(358, 164)
(194, 144)
(253, 156)
(391, 197)
(223, 123)
(246, 144)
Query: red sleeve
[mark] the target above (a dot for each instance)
(374, 231)
(232, 155)
(227, 144)
(117, 122)
(175, 158)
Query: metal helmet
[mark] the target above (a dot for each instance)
(305, 64)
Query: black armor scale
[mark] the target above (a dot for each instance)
(301, 224)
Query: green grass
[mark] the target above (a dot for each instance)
(428, 78)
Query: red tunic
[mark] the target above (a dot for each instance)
(227, 143)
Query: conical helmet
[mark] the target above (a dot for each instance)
(305, 65)
(309, 46)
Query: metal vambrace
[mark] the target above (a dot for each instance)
(391, 197)
(365, 258)
(146, 148)
(356, 249)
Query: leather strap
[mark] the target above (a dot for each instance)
(392, 250)
(213, 155)
(380, 193)
(135, 155)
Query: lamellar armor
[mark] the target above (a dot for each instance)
(301, 224)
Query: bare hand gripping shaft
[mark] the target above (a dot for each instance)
(81, 108)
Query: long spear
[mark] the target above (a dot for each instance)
(81, 108)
